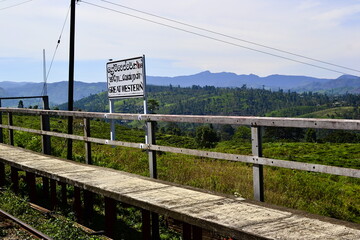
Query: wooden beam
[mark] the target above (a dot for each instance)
(2, 174)
(88, 206)
(197, 233)
(53, 198)
(146, 225)
(110, 217)
(45, 186)
(77, 204)
(186, 231)
(63, 193)
(31, 184)
(14, 179)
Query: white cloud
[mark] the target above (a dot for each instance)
(308, 4)
(337, 16)
(318, 29)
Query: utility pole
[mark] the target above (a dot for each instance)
(44, 73)
(71, 76)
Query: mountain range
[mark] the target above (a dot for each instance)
(58, 91)
(227, 79)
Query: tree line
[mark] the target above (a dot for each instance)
(242, 101)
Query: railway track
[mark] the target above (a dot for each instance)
(9, 224)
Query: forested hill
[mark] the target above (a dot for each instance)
(211, 100)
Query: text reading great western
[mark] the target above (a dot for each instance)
(125, 78)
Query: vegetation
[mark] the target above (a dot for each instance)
(242, 101)
(56, 227)
(206, 137)
(323, 194)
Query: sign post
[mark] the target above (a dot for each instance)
(112, 122)
(126, 79)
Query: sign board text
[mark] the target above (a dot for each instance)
(126, 78)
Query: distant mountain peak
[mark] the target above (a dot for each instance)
(349, 77)
(207, 72)
(229, 79)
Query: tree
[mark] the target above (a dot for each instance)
(341, 136)
(173, 129)
(282, 133)
(243, 134)
(153, 105)
(310, 135)
(205, 136)
(226, 132)
(20, 104)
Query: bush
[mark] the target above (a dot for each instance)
(242, 134)
(206, 137)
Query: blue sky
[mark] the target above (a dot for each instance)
(322, 29)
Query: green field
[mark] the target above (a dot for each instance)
(323, 194)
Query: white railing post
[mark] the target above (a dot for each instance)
(112, 121)
(151, 154)
(258, 175)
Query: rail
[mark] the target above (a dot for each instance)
(25, 226)
(256, 124)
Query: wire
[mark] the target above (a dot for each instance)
(231, 37)
(58, 42)
(15, 4)
(56, 48)
(215, 39)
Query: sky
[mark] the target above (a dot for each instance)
(326, 30)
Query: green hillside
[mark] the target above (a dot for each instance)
(242, 101)
(337, 112)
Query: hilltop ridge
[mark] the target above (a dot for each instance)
(58, 91)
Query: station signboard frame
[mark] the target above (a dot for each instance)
(126, 78)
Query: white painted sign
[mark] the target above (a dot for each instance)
(126, 78)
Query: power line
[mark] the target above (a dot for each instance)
(57, 46)
(15, 4)
(216, 39)
(231, 37)
(58, 42)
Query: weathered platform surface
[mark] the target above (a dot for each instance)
(230, 216)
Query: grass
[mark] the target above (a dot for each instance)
(337, 112)
(333, 154)
(322, 194)
(55, 227)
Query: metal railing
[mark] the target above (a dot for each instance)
(256, 124)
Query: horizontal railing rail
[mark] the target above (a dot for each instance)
(256, 124)
(336, 124)
(216, 155)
